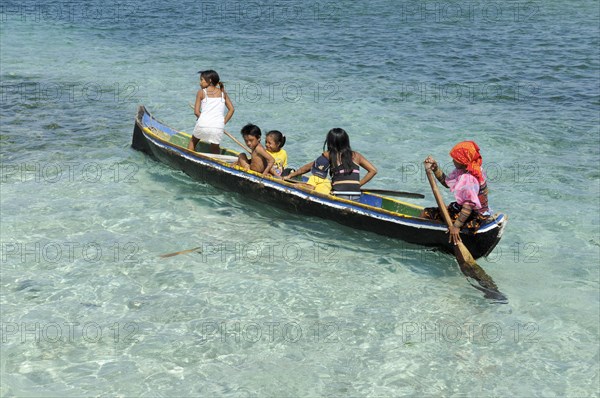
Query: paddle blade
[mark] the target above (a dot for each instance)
(467, 263)
(473, 271)
(464, 255)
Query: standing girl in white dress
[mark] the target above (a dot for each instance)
(211, 101)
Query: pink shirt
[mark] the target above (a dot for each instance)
(465, 187)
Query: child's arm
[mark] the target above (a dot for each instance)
(365, 164)
(302, 170)
(199, 99)
(261, 151)
(229, 106)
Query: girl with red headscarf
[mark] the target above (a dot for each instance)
(468, 183)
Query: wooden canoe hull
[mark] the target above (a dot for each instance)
(401, 222)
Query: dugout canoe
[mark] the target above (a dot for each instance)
(374, 213)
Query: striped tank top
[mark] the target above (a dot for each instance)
(345, 182)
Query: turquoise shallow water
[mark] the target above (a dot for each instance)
(297, 306)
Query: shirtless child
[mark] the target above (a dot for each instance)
(260, 160)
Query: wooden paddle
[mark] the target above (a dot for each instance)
(230, 136)
(376, 191)
(181, 252)
(466, 262)
(394, 193)
(237, 142)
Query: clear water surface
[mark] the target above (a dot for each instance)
(278, 304)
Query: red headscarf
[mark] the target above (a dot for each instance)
(467, 153)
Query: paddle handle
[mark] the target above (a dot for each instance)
(463, 255)
(237, 142)
(244, 147)
(438, 196)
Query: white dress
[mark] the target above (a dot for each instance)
(211, 123)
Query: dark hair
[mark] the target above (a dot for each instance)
(337, 143)
(211, 77)
(279, 137)
(251, 129)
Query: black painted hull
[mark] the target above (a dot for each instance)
(200, 167)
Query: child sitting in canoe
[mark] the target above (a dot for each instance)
(274, 142)
(468, 183)
(345, 165)
(260, 160)
(318, 180)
